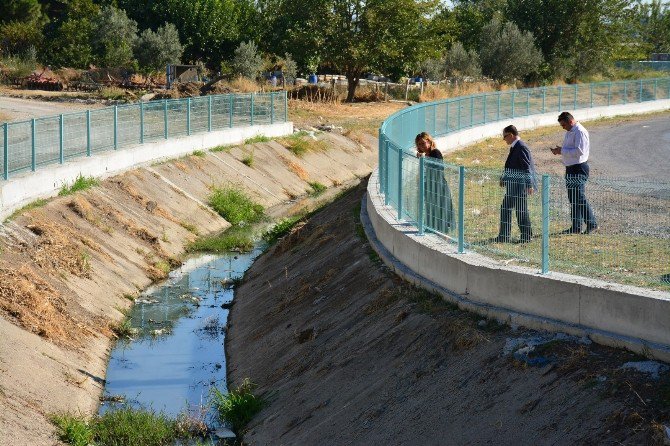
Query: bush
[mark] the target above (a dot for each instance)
(247, 61)
(507, 53)
(460, 63)
(280, 229)
(235, 206)
(128, 426)
(317, 188)
(73, 430)
(114, 38)
(238, 406)
(154, 50)
(234, 239)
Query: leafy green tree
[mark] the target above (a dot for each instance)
(461, 63)
(114, 37)
(653, 26)
(289, 67)
(247, 61)
(24, 11)
(433, 69)
(69, 33)
(506, 53)
(355, 36)
(576, 37)
(154, 50)
(17, 37)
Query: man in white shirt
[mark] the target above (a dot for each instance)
(575, 154)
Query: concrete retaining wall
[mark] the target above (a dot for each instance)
(611, 314)
(46, 182)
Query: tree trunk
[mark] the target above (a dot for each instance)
(352, 83)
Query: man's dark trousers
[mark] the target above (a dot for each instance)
(515, 198)
(580, 209)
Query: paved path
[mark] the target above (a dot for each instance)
(636, 149)
(15, 109)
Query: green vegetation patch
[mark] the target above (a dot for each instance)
(238, 406)
(73, 430)
(32, 205)
(225, 148)
(81, 183)
(200, 153)
(248, 160)
(317, 188)
(280, 229)
(300, 143)
(235, 206)
(234, 239)
(256, 139)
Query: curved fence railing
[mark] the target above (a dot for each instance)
(632, 243)
(29, 145)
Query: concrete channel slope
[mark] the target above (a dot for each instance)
(70, 268)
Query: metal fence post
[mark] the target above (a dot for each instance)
(380, 157)
(528, 103)
(458, 121)
(285, 106)
(655, 87)
(574, 107)
(498, 115)
(5, 150)
(609, 93)
(141, 122)
(591, 95)
(400, 153)
(484, 97)
(461, 209)
(472, 111)
(252, 108)
(560, 98)
(231, 114)
(513, 100)
(545, 224)
(434, 118)
(544, 99)
(61, 140)
(272, 108)
(165, 117)
(625, 92)
(640, 99)
(33, 156)
(421, 193)
(387, 149)
(209, 113)
(188, 116)
(447, 113)
(116, 127)
(88, 132)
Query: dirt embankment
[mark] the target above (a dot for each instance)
(346, 353)
(69, 269)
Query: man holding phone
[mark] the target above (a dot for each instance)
(575, 154)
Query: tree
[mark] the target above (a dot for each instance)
(578, 36)
(69, 34)
(355, 36)
(507, 53)
(114, 37)
(24, 11)
(154, 50)
(18, 37)
(653, 26)
(461, 63)
(247, 61)
(433, 69)
(289, 67)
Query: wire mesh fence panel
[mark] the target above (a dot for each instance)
(200, 114)
(439, 211)
(241, 111)
(75, 135)
(410, 186)
(221, 112)
(102, 129)
(154, 120)
(19, 142)
(4, 142)
(393, 177)
(47, 142)
(263, 109)
(129, 124)
(632, 240)
(177, 118)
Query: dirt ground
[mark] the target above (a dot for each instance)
(346, 353)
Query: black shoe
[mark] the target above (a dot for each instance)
(501, 239)
(591, 229)
(570, 231)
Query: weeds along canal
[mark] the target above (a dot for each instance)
(173, 354)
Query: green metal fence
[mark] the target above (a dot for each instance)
(28, 145)
(632, 244)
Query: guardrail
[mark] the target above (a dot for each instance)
(632, 244)
(29, 145)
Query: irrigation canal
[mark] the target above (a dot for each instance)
(176, 351)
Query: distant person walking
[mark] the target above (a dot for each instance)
(518, 179)
(438, 205)
(575, 154)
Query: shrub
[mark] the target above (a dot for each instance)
(238, 406)
(247, 61)
(154, 50)
(81, 183)
(248, 160)
(73, 430)
(235, 206)
(280, 229)
(460, 63)
(257, 138)
(317, 188)
(234, 239)
(128, 426)
(114, 37)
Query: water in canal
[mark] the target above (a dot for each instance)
(177, 352)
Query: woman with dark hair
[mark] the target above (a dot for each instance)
(439, 210)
